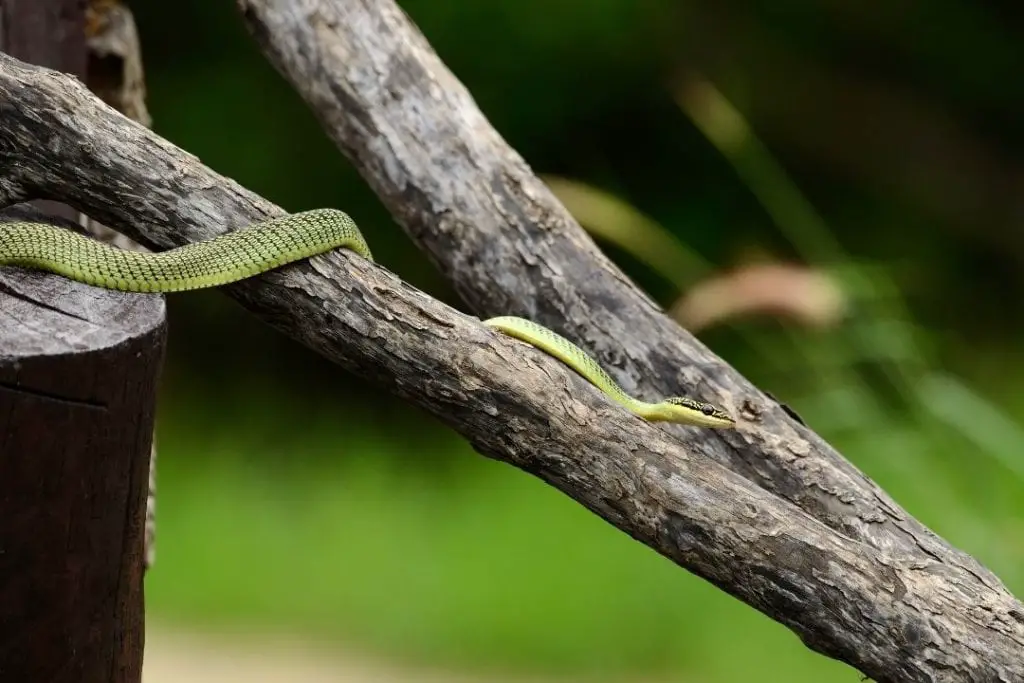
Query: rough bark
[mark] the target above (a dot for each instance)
(96, 41)
(115, 74)
(74, 456)
(895, 616)
(510, 248)
(71, 592)
(115, 70)
(47, 33)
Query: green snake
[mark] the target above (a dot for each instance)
(270, 244)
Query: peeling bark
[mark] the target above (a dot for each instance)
(894, 614)
(509, 247)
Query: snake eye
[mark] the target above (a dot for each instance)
(707, 410)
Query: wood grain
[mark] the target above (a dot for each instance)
(75, 440)
(895, 614)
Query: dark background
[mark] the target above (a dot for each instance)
(874, 146)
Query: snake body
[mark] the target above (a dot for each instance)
(268, 245)
(224, 259)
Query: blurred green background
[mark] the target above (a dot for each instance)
(866, 158)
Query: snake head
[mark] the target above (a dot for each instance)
(688, 411)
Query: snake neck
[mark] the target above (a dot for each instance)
(677, 409)
(649, 411)
(573, 356)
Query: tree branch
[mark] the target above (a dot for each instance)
(510, 248)
(896, 618)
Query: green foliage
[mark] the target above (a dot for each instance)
(319, 530)
(294, 496)
(482, 566)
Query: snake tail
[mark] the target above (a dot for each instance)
(224, 259)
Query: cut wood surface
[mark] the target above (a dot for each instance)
(78, 378)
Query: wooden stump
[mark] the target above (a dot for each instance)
(78, 376)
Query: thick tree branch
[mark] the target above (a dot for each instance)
(509, 247)
(896, 618)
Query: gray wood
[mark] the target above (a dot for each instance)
(75, 440)
(510, 248)
(895, 615)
